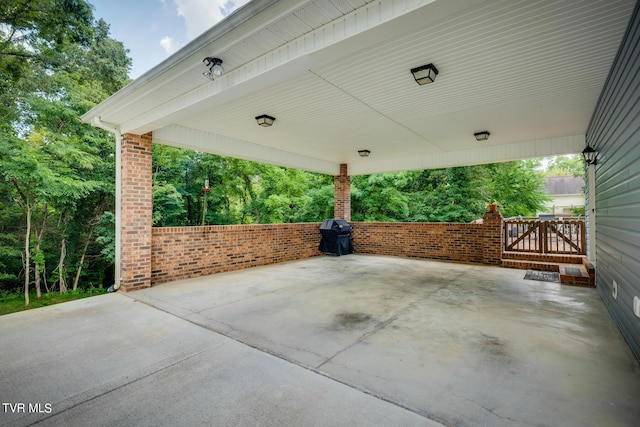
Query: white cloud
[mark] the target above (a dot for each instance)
(200, 15)
(169, 45)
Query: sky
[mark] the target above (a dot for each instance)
(154, 29)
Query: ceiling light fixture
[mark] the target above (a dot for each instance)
(265, 121)
(364, 153)
(215, 67)
(482, 136)
(425, 74)
(590, 155)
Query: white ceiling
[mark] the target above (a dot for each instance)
(335, 74)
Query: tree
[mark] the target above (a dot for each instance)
(570, 165)
(518, 187)
(55, 63)
(286, 195)
(241, 192)
(38, 169)
(449, 195)
(379, 197)
(458, 194)
(33, 33)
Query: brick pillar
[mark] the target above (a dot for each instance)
(136, 211)
(342, 195)
(492, 237)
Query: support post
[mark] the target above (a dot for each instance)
(590, 213)
(342, 195)
(118, 207)
(492, 237)
(135, 212)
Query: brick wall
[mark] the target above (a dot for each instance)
(136, 211)
(443, 241)
(185, 252)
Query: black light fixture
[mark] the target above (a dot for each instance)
(364, 153)
(482, 136)
(215, 67)
(590, 155)
(425, 74)
(265, 121)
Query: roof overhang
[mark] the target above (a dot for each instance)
(336, 76)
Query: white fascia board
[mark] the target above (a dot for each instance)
(281, 60)
(193, 139)
(478, 156)
(174, 66)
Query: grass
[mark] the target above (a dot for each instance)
(11, 302)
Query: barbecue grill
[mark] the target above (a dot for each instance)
(336, 237)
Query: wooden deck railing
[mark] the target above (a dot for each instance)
(565, 236)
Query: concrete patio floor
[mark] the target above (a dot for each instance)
(353, 340)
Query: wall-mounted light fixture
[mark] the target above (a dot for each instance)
(590, 155)
(425, 74)
(215, 67)
(265, 121)
(364, 153)
(482, 136)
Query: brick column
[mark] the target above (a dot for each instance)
(492, 237)
(136, 211)
(342, 195)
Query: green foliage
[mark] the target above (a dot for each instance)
(577, 210)
(34, 36)
(169, 205)
(12, 301)
(105, 233)
(241, 192)
(518, 187)
(379, 197)
(56, 173)
(570, 165)
(449, 195)
(9, 254)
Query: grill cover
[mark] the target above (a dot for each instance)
(336, 237)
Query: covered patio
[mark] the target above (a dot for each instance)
(538, 78)
(340, 84)
(304, 339)
(354, 340)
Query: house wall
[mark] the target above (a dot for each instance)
(615, 134)
(562, 204)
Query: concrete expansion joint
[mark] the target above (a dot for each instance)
(257, 295)
(112, 387)
(379, 326)
(439, 288)
(491, 411)
(318, 371)
(280, 355)
(432, 418)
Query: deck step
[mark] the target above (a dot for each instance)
(531, 265)
(552, 258)
(575, 274)
(578, 272)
